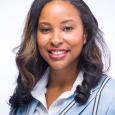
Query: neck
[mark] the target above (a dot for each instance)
(62, 78)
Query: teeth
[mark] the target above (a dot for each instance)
(57, 52)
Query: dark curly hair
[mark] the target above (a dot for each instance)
(32, 66)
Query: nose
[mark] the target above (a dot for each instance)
(56, 39)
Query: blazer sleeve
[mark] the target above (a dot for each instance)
(111, 109)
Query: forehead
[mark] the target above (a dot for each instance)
(59, 9)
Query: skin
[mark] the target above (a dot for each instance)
(60, 27)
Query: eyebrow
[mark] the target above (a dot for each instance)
(44, 23)
(63, 22)
(66, 21)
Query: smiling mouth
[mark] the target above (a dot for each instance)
(57, 54)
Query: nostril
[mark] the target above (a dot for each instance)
(56, 41)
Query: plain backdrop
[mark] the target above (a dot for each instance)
(12, 18)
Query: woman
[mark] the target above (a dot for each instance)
(61, 63)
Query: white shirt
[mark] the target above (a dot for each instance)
(40, 90)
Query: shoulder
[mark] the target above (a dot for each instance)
(106, 86)
(109, 87)
(107, 97)
(25, 109)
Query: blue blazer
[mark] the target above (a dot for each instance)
(100, 102)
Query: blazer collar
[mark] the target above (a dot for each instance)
(81, 108)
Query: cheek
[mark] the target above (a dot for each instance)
(41, 45)
(75, 40)
(41, 41)
(77, 46)
(77, 36)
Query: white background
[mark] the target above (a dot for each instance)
(12, 18)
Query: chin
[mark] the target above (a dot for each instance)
(57, 67)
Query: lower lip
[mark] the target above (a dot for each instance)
(57, 57)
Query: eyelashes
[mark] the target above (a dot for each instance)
(67, 29)
(46, 30)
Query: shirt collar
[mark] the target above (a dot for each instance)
(40, 88)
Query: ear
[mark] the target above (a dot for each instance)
(85, 38)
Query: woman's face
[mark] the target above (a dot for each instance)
(60, 35)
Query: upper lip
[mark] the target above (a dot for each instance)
(57, 49)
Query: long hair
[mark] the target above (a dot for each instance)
(32, 66)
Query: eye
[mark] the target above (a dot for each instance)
(67, 28)
(45, 30)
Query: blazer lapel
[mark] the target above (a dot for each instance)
(81, 108)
